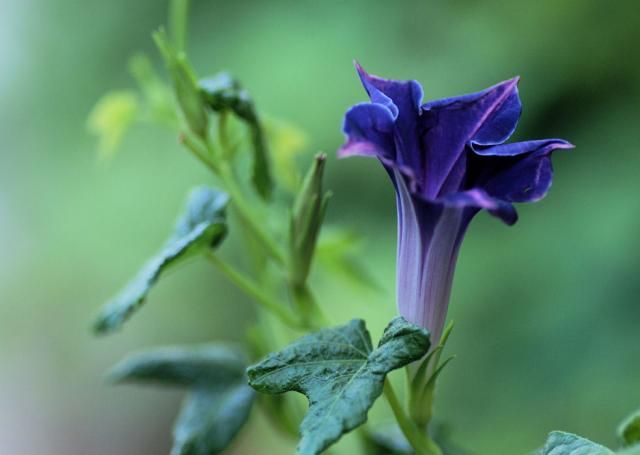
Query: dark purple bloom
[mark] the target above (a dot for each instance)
(447, 160)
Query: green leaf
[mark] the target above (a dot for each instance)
(110, 119)
(224, 93)
(340, 373)
(560, 443)
(629, 430)
(203, 225)
(219, 400)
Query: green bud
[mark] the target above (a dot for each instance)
(306, 219)
(185, 86)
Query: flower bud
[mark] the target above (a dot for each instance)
(306, 219)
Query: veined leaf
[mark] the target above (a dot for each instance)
(560, 443)
(203, 225)
(340, 373)
(219, 400)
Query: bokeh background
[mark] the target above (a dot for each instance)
(547, 311)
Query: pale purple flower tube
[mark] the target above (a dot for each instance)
(447, 160)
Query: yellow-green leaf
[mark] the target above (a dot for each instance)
(111, 117)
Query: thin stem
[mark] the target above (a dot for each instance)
(421, 443)
(199, 151)
(204, 152)
(178, 12)
(252, 290)
(245, 212)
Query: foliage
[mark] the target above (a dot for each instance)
(340, 373)
(219, 399)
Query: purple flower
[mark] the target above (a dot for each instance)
(447, 160)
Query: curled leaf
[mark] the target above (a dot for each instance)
(203, 225)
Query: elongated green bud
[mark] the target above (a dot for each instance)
(306, 219)
(185, 85)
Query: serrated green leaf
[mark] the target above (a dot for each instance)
(110, 119)
(219, 399)
(629, 430)
(561, 443)
(340, 373)
(203, 225)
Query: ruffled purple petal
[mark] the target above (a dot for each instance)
(369, 130)
(403, 98)
(519, 172)
(452, 124)
(518, 148)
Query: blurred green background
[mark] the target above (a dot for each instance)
(547, 311)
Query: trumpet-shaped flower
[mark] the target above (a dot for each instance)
(447, 160)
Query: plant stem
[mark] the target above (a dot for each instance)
(252, 290)
(178, 12)
(421, 443)
(204, 152)
(245, 212)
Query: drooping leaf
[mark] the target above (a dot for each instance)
(203, 225)
(224, 93)
(561, 443)
(110, 119)
(219, 399)
(629, 430)
(340, 373)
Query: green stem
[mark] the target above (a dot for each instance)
(178, 14)
(199, 151)
(205, 152)
(421, 443)
(246, 214)
(252, 290)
